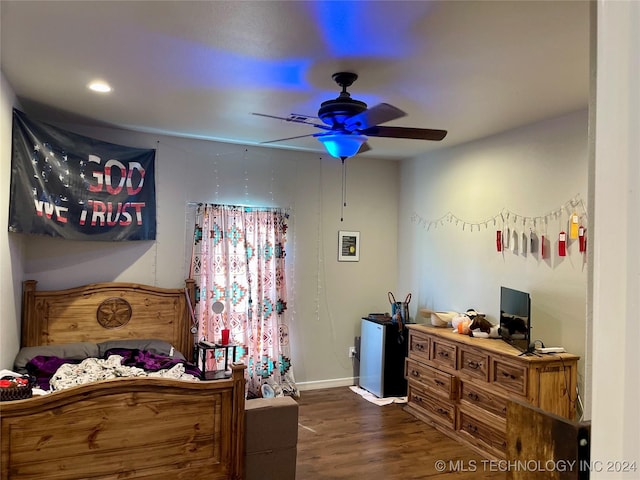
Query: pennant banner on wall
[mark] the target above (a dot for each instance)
(75, 187)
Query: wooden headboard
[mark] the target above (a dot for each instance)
(108, 311)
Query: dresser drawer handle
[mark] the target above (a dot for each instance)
(418, 399)
(415, 373)
(418, 346)
(442, 411)
(472, 428)
(443, 354)
(473, 396)
(508, 375)
(474, 365)
(440, 383)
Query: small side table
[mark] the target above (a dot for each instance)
(200, 354)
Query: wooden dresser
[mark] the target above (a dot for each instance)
(460, 385)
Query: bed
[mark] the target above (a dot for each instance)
(138, 427)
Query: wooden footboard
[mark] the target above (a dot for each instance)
(142, 428)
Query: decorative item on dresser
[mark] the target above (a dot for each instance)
(136, 427)
(460, 385)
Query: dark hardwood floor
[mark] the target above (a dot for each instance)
(343, 436)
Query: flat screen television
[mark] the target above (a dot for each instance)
(515, 318)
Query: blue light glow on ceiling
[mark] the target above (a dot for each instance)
(362, 28)
(204, 66)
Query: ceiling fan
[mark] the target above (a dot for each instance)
(348, 122)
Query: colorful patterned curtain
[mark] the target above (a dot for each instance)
(238, 259)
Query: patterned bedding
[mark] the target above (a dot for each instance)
(54, 373)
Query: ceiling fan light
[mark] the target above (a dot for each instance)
(342, 145)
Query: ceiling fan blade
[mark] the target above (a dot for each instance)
(293, 119)
(288, 138)
(376, 115)
(365, 147)
(405, 132)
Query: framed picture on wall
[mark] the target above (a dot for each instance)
(348, 246)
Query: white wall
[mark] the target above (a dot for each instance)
(616, 285)
(327, 297)
(11, 252)
(531, 171)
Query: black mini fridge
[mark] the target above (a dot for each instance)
(383, 349)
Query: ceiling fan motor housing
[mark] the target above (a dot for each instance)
(335, 112)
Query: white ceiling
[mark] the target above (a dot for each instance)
(200, 68)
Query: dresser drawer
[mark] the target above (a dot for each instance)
(482, 433)
(479, 397)
(499, 441)
(461, 386)
(443, 353)
(474, 363)
(510, 375)
(418, 346)
(434, 406)
(440, 382)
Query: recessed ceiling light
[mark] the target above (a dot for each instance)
(100, 86)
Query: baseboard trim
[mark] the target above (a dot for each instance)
(331, 383)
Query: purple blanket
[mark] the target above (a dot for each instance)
(43, 368)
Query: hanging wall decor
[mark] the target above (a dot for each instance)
(522, 234)
(79, 188)
(348, 246)
(507, 218)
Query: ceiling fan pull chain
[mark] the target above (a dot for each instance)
(344, 182)
(344, 188)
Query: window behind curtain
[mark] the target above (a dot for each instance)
(239, 259)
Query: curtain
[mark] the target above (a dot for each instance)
(238, 259)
